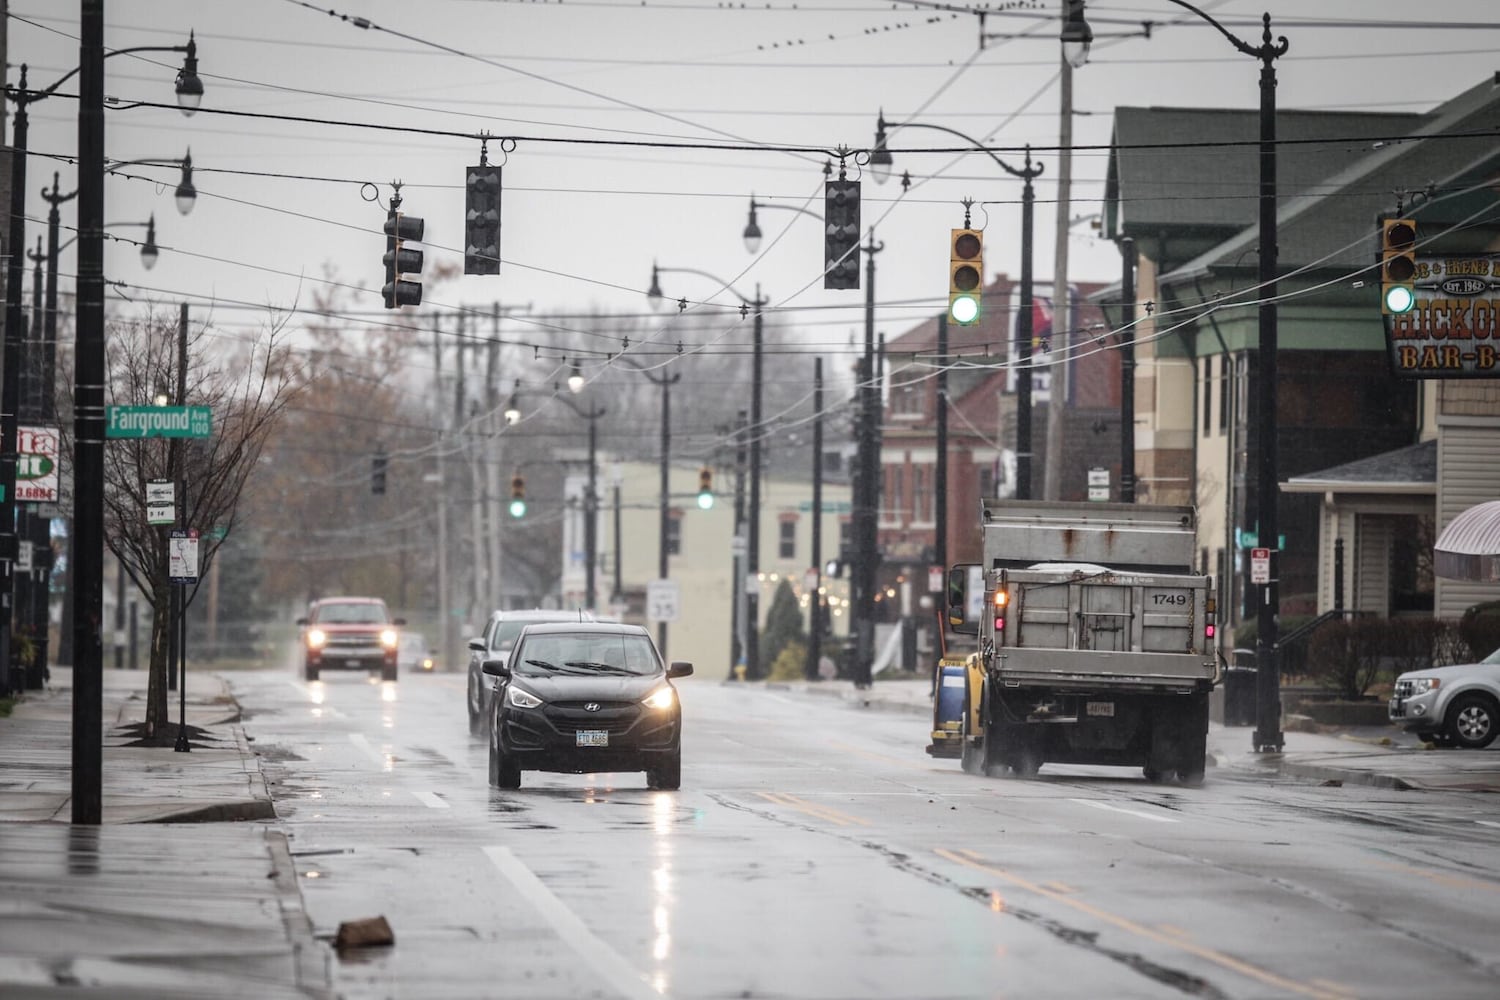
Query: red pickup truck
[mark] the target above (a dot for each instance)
(350, 633)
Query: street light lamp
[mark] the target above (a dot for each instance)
(752, 228)
(1268, 735)
(186, 194)
(752, 552)
(880, 166)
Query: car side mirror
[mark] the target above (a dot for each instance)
(477, 645)
(680, 668)
(399, 622)
(302, 623)
(495, 668)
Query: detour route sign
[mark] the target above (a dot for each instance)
(158, 421)
(1453, 330)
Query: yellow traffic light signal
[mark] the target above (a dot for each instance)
(965, 275)
(1398, 266)
(705, 488)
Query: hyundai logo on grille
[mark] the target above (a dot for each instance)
(592, 706)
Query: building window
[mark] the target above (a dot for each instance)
(894, 508)
(788, 542)
(921, 497)
(1224, 393)
(1208, 393)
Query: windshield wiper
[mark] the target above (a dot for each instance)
(543, 664)
(595, 665)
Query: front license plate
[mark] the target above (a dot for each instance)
(593, 738)
(1105, 709)
(353, 664)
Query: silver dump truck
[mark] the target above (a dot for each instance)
(1095, 640)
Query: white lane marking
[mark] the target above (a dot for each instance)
(431, 800)
(358, 739)
(1129, 812)
(604, 960)
(1487, 822)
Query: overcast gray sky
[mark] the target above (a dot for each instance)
(583, 221)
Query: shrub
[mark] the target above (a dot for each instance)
(790, 663)
(783, 624)
(1480, 629)
(1343, 656)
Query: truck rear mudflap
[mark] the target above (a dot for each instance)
(1072, 669)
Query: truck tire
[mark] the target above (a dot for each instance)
(388, 672)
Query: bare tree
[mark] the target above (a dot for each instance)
(247, 385)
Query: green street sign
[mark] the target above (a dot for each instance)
(158, 421)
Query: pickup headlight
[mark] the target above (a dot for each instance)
(316, 638)
(661, 698)
(389, 638)
(521, 698)
(1422, 685)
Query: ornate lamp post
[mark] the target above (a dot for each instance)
(1268, 735)
(591, 499)
(752, 551)
(880, 167)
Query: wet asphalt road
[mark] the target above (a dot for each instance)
(815, 851)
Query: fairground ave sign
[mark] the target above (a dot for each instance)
(1453, 331)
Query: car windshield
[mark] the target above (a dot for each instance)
(575, 653)
(351, 614)
(504, 636)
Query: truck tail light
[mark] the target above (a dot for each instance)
(1002, 604)
(1210, 605)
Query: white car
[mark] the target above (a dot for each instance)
(1450, 706)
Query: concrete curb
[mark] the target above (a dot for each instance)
(1319, 772)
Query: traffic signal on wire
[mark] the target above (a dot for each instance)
(518, 495)
(705, 488)
(401, 260)
(1398, 266)
(965, 275)
(377, 471)
(482, 220)
(841, 233)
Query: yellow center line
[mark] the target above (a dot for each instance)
(1318, 990)
(813, 809)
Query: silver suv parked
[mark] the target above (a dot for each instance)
(1451, 706)
(495, 644)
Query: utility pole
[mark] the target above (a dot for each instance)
(1127, 371)
(867, 494)
(737, 550)
(940, 489)
(752, 555)
(815, 612)
(1061, 348)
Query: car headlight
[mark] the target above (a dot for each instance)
(427, 663)
(521, 698)
(1422, 685)
(390, 638)
(316, 638)
(661, 698)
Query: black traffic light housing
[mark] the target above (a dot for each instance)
(518, 495)
(399, 259)
(965, 275)
(705, 488)
(841, 233)
(377, 471)
(482, 220)
(1398, 266)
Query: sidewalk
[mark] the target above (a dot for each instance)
(168, 896)
(1354, 756)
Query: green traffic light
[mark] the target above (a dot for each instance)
(1399, 299)
(705, 500)
(964, 309)
(518, 508)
